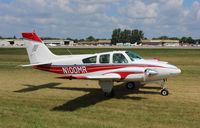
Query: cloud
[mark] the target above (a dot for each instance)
(196, 9)
(81, 18)
(138, 9)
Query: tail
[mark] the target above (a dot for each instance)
(36, 49)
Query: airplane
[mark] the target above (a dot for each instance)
(106, 67)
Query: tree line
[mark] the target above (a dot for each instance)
(135, 36)
(183, 39)
(14, 37)
(123, 36)
(126, 36)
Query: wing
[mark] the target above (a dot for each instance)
(93, 77)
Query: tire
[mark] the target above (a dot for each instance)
(164, 92)
(130, 85)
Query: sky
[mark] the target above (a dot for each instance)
(83, 18)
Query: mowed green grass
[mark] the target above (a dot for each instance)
(36, 99)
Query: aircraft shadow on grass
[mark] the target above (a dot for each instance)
(93, 96)
(31, 88)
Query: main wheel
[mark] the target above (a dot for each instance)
(164, 92)
(130, 85)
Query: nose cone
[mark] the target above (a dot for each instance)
(175, 71)
(178, 71)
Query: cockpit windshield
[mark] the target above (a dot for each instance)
(133, 56)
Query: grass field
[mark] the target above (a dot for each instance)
(35, 99)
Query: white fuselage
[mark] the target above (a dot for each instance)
(137, 70)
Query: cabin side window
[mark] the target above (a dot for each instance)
(119, 58)
(104, 58)
(90, 60)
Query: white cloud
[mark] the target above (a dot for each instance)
(198, 15)
(89, 8)
(196, 9)
(138, 9)
(80, 18)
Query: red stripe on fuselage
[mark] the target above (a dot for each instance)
(90, 68)
(95, 68)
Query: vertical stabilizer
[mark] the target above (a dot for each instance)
(37, 50)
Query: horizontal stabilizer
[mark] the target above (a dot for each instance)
(38, 64)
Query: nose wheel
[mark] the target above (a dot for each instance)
(164, 91)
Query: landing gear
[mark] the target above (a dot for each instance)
(107, 88)
(164, 91)
(109, 94)
(133, 85)
(130, 85)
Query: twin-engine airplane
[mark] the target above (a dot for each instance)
(107, 67)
